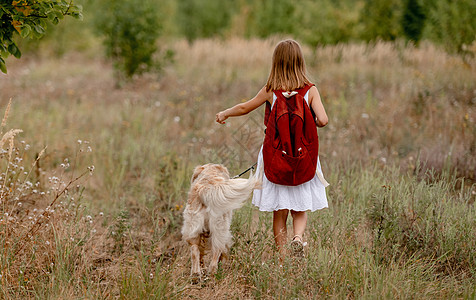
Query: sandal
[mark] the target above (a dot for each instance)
(297, 246)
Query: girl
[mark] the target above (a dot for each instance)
(288, 73)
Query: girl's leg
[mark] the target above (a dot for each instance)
(299, 222)
(279, 228)
(299, 225)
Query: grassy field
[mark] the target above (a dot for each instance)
(97, 214)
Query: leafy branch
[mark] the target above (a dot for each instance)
(29, 18)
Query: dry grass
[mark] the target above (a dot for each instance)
(41, 221)
(395, 112)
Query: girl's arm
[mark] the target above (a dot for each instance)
(244, 108)
(316, 105)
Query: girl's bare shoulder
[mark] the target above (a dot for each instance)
(265, 93)
(313, 94)
(314, 90)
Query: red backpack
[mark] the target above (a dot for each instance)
(291, 144)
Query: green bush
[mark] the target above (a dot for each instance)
(326, 22)
(413, 20)
(380, 19)
(130, 30)
(452, 23)
(269, 17)
(202, 19)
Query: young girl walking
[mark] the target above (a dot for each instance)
(287, 76)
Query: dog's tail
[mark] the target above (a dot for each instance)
(230, 194)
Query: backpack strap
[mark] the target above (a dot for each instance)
(267, 112)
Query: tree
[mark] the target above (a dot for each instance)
(30, 18)
(452, 24)
(271, 17)
(326, 22)
(130, 29)
(203, 19)
(381, 20)
(413, 20)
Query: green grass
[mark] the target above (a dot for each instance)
(412, 240)
(398, 152)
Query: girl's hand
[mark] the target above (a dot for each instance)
(221, 117)
(245, 107)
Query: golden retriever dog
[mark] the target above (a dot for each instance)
(207, 216)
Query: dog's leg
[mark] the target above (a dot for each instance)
(224, 256)
(220, 238)
(195, 255)
(212, 268)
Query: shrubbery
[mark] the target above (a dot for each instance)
(413, 20)
(198, 19)
(446, 22)
(130, 30)
(451, 23)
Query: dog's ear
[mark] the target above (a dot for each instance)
(224, 171)
(196, 172)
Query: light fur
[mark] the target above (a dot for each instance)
(207, 216)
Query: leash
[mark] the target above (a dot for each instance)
(244, 172)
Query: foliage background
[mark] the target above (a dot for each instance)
(446, 22)
(130, 29)
(29, 19)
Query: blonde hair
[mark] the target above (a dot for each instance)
(288, 70)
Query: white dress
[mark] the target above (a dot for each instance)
(310, 195)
